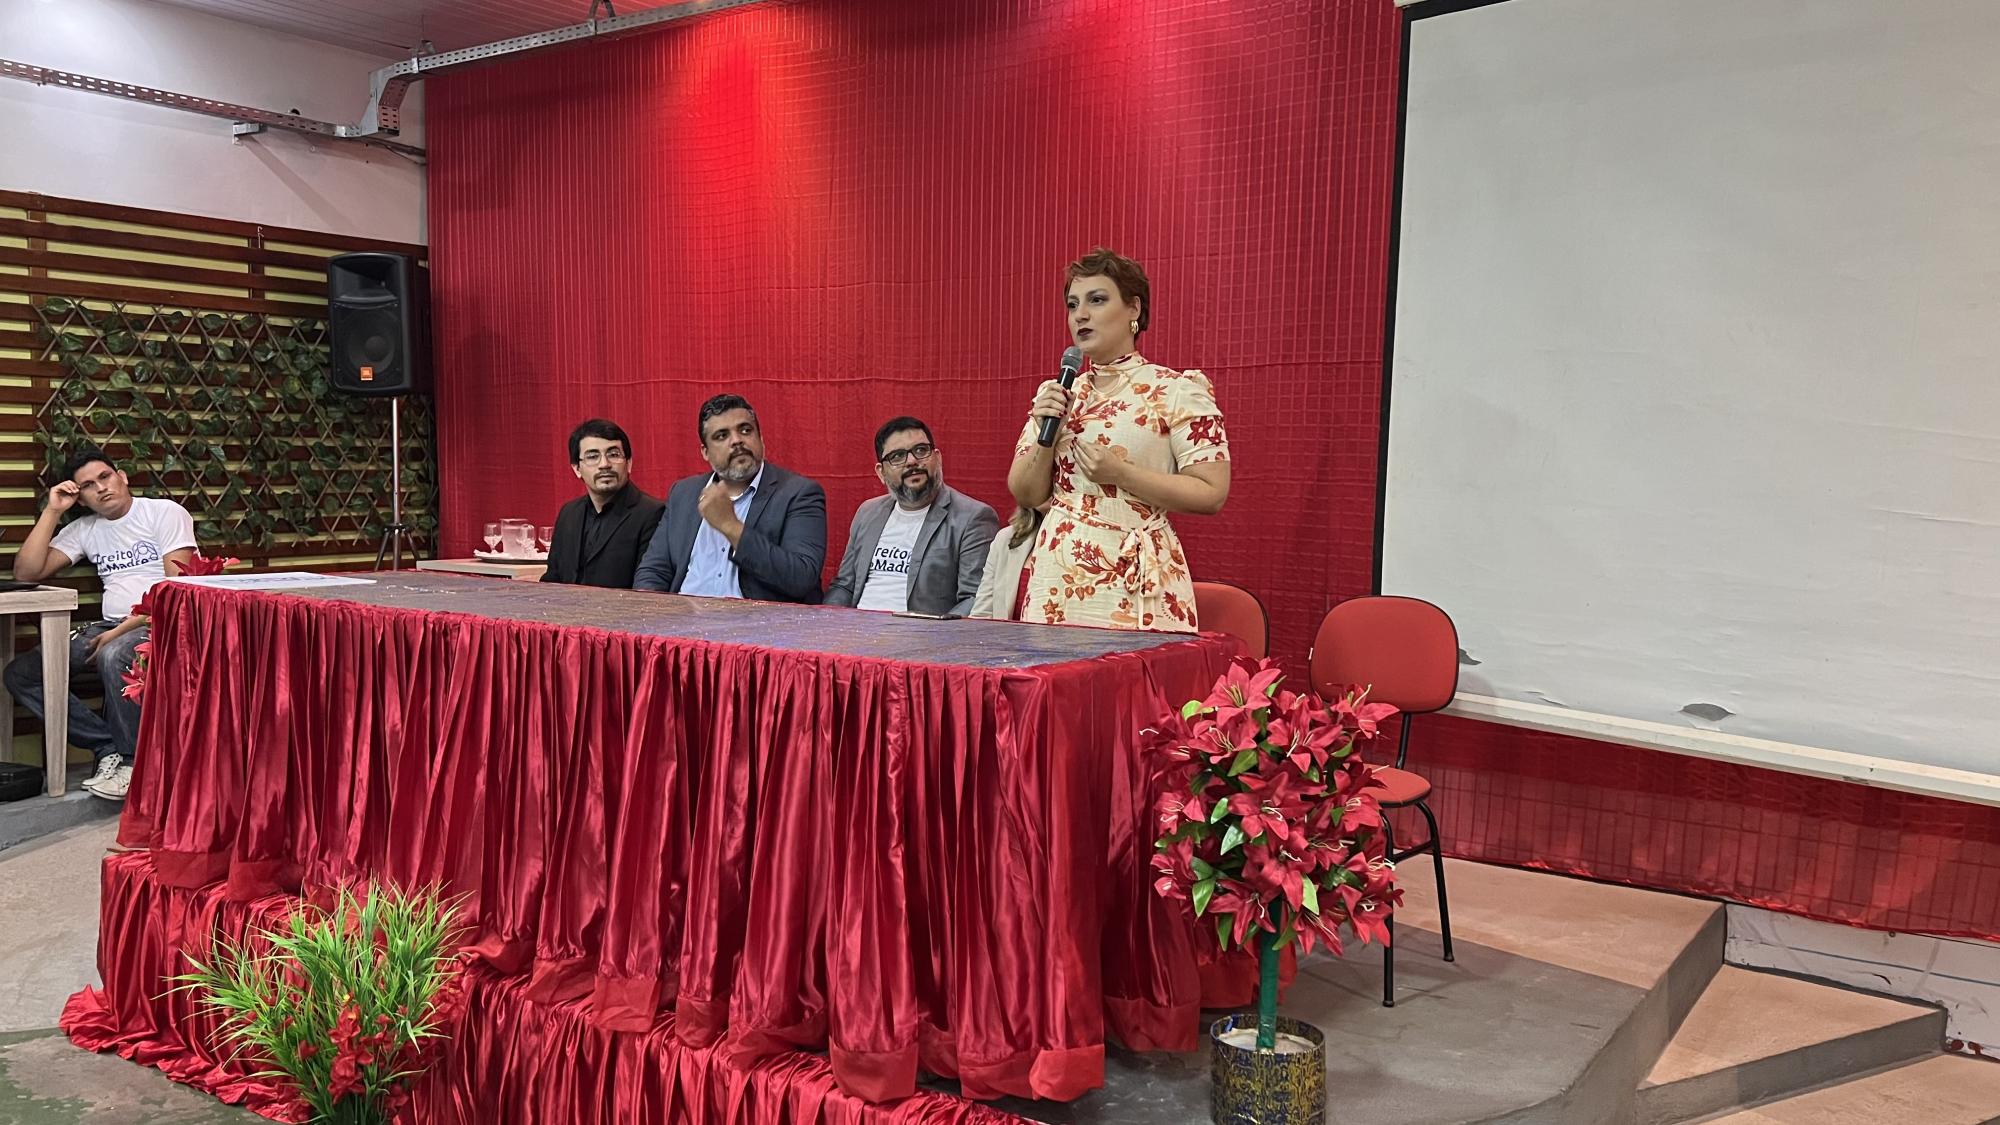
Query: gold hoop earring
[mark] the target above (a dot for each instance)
(1135, 328)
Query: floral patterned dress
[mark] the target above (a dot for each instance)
(1104, 558)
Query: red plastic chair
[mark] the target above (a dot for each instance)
(1406, 652)
(1222, 608)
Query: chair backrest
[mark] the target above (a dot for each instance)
(1222, 608)
(1406, 648)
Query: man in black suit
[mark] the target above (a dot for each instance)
(600, 535)
(747, 528)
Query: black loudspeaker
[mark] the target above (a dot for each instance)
(19, 782)
(376, 307)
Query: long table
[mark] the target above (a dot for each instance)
(915, 844)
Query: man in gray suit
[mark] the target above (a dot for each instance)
(747, 529)
(921, 548)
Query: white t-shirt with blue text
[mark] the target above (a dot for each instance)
(128, 550)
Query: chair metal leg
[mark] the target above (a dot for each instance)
(1437, 858)
(1389, 948)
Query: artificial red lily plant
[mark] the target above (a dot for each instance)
(1269, 826)
(345, 1006)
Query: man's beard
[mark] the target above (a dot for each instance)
(916, 497)
(736, 473)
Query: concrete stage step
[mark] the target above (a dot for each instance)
(1755, 1036)
(1574, 1003)
(1563, 995)
(30, 819)
(1940, 1090)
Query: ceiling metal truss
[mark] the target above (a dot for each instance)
(381, 119)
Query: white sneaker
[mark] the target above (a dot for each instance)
(107, 767)
(115, 787)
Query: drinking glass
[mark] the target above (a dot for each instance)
(544, 536)
(519, 537)
(491, 533)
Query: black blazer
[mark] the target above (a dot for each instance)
(634, 517)
(782, 551)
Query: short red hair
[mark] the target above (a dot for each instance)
(1128, 275)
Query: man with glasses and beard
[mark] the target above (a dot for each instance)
(745, 529)
(921, 548)
(600, 535)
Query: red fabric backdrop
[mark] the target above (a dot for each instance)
(847, 211)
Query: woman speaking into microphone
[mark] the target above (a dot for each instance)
(1134, 441)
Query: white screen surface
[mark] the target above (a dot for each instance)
(1696, 376)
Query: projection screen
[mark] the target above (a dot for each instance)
(1694, 412)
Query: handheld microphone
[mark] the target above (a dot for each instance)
(1072, 360)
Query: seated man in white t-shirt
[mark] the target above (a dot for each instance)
(921, 548)
(135, 542)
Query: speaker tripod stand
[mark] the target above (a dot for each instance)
(395, 534)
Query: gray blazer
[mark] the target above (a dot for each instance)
(783, 545)
(948, 560)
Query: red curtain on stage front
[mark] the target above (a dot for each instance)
(852, 211)
(1832, 850)
(912, 865)
(511, 1061)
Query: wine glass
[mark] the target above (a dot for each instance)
(491, 534)
(544, 536)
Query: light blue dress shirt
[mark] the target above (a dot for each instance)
(711, 573)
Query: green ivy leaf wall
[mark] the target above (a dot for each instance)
(233, 415)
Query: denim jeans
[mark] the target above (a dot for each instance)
(116, 731)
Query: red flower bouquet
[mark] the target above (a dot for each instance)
(142, 653)
(201, 565)
(1269, 827)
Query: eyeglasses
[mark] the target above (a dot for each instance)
(602, 456)
(897, 458)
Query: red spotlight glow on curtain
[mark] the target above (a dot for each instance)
(848, 211)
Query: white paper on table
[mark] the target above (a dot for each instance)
(273, 580)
